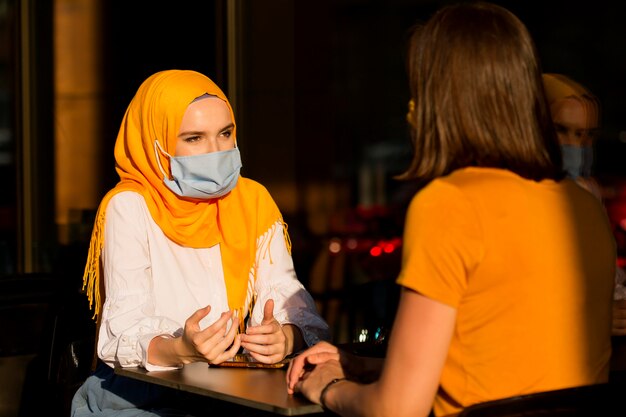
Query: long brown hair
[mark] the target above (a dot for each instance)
(478, 96)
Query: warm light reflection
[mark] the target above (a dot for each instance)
(334, 246)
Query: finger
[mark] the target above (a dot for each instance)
(296, 370)
(216, 347)
(228, 354)
(268, 328)
(300, 362)
(268, 311)
(265, 344)
(298, 387)
(194, 319)
(270, 358)
(289, 368)
(234, 347)
(292, 379)
(214, 333)
(249, 341)
(322, 357)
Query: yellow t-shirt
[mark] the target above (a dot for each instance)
(529, 266)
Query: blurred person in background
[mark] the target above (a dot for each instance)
(576, 115)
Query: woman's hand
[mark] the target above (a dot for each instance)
(268, 342)
(313, 382)
(215, 344)
(313, 356)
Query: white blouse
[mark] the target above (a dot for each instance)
(153, 285)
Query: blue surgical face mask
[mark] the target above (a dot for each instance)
(577, 160)
(204, 176)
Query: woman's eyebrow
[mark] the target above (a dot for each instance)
(190, 133)
(199, 132)
(227, 127)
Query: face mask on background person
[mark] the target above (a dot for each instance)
(203, 176)
(577, 160)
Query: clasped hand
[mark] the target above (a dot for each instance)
(310, 371)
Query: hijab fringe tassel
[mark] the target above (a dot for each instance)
(91, 276)
(251, 293)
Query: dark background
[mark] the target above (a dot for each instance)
(322, 94)
(345, 63)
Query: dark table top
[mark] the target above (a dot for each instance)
(264, 389)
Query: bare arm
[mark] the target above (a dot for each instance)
(417, 351)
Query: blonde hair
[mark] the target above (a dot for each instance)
(558, 87)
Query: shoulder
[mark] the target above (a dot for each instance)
(481, 186)
(441, 193)
(125, 202)
(447, 205)
(441, 205)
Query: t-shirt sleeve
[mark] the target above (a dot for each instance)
(442, 243)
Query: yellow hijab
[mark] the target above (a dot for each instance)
(558, 87)
(235, 221)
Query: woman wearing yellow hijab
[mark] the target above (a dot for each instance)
(184, 250)
(576, 115)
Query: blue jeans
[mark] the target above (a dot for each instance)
(106, 394)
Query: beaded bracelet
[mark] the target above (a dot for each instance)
(325, 390)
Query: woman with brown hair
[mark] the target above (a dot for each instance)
(507, 270)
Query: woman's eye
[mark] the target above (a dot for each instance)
(227, 133)
(192, 139)
(594, 133)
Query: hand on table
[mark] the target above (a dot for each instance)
(300, 366)
(266, 342)
(312, 382)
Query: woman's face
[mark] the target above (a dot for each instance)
(575, 120)
(206, 127)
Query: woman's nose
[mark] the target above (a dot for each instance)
(212, 145)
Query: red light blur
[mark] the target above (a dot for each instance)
(376, 251)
